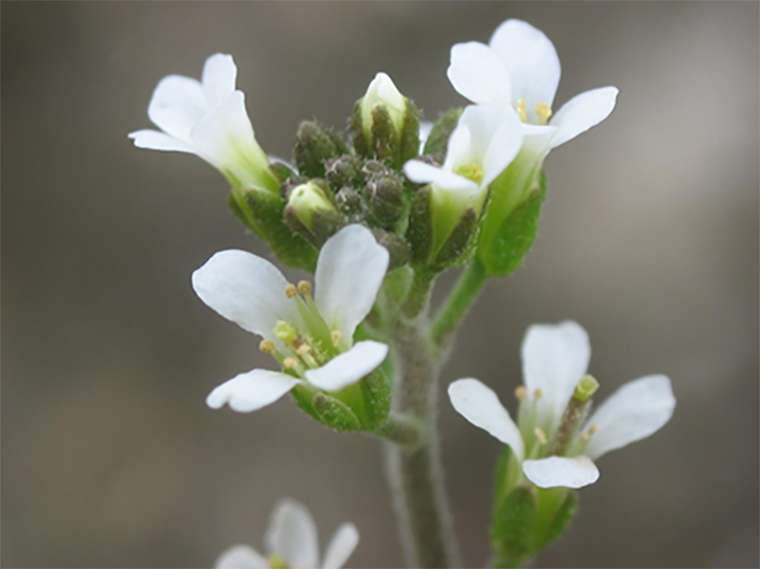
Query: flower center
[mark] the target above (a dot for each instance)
(303, 347)
(471, 171)
(278, 562)
(542, 110)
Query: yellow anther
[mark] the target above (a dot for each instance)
(543, 111)
(592, 429)
(335, 337)
(303, 349)
(277, 562)
(521, 393)
(541, 436)
(291, 291)
(266, 346)
(521, 109)
(471, 171)
(584, 437)
(304, 287)
(290, 363)
(537, 393)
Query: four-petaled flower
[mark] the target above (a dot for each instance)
(551, 441)
(208, 118)
(311, 337)
(485, 141)
(519, 69)
(291, 543)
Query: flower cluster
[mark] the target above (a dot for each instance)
(376, 216)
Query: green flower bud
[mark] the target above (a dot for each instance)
(351, 205)
(345, 171)
(312, 212)
(385, 124)
(315, 145)
(384, 196)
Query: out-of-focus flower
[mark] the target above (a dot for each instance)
(291, 543)
(312, 338)
(208, 118)
(552, 440)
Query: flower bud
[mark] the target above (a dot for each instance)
(312, 212)
(351, 205)
(315, 145)
(385, 124)
(345, 171)
(384, 196)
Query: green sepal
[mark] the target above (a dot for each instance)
(458, 245)
(409, 146)
(419, 233)
(397, 248)
(436, 143)
(315, 145)
(262, 212)
(505, 251)
(303, 395)
(361, 145)
(281, 171)
(384, 195)
(377, 390)
(562, 518)
(334, 413)
(345, 171)
(513, 527)
(384, 140)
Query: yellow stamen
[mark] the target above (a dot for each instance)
(277, 562)
(304, 287)
(538, 394)
(266, 346)
(303, 349)
(291, 291)
(521, 109)
(592, 429)
(290, 363)
(471, 171)
(335, 337)
(541, 436)
(543, 111)
(521, 393)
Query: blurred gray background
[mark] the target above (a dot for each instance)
(649, 239)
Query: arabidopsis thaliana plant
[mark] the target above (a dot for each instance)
(519, 69)
(551, 441)
(311, 337)
(291, 543)
(487, 138)
(208, 118)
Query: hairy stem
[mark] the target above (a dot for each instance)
(458, 304)
(416, 476)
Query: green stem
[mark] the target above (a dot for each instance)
(458, 304)
(416, 476)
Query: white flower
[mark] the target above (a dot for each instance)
(382, 91)
(520, 69)
(291, 543)
(487, 138)
(208, 118)
(311, 338)
(553, 449)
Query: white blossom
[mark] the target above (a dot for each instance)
(519, 69)
(208, 118)
(486, 139)
(291, 543)
(311, 337)
(555, 359)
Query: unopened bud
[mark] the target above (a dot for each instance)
(351, 205)
(384, 195)
(345, 171)
(307, 200)
(315, 145)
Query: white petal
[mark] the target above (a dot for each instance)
(554, 359)
(582, 112)
(349, 367)
(350, 270)
(241, 557)
(561, 471)
(635, 411)
(225, 136)
(246, 289)
(459, 150)
(252, 390)
(423, 173)
(503, 146)
(155, 140)
(531, 61)
(341, 546)
(477, 74)
(293, 535)
(219, 75)
(481, 406)
(178, 103)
